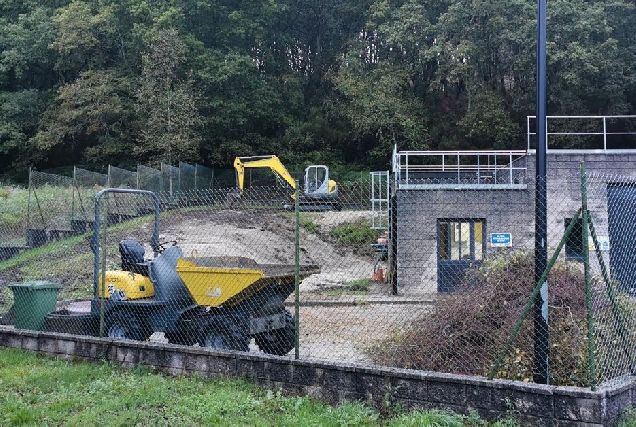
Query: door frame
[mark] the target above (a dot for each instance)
(450, 271)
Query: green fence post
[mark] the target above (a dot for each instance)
(588, 281)
(535, 292)
(101, 295)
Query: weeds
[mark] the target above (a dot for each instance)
(354, 233)
(309, 225)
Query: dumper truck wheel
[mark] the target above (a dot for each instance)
(182, 338)
(125, 325)
(279, 341)
(223, 334)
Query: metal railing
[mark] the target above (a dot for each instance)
(485, 169)
(603, 131)
(380, 200)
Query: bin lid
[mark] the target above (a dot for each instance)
(35, 284)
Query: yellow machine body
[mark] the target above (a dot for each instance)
(214, 286)
(134, 286)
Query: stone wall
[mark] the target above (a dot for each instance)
(531, 404)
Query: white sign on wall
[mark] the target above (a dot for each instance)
(603, 243)
(498, 240)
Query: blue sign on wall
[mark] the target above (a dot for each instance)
(500, 239)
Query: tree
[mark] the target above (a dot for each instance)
(90, 119)
(85, 38)
(19, 114)
(375, 99)
(166, 103)
(26, 60)
(487, 125)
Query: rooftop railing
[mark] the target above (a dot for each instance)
(456, 169)
(585, 132)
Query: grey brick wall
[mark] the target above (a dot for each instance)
(531, 404)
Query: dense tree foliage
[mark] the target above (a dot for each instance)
(95, 82)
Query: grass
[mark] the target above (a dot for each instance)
(68, 261)
(37, 390)
(355, 233)
(45, 203)
(354, 287)
(628, 419)
(309, 225)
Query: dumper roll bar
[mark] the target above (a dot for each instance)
(94, 243)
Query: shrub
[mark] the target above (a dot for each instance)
(468, 328)
(356, 236)
(309, 225)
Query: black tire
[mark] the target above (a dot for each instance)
(279, 341)
(125, 325)
(181, 338)
(183, 332)
(223, 334)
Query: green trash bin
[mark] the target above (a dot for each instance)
(32, 301)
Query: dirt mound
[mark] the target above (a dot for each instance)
(269, 238)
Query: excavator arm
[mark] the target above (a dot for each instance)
(269, 161)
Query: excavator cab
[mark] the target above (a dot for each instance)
(317, 182)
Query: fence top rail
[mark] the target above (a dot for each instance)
(627, 116)
(461, 168)
(443, 160)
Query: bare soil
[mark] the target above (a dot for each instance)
(329, 329)
(269, 238)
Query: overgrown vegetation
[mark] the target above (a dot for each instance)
(356, 236)
(354, 233)
(13, 206)
(309, 225)
(468, 329)
(40, 391)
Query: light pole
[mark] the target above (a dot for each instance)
(541, 347)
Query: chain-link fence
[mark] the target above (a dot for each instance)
(49, 205)
(449, 284)
(12, 218)
(57, 206)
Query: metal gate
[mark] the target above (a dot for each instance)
(621, 209)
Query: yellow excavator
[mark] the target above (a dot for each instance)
(319, 192)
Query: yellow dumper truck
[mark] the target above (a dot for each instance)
(217, 302)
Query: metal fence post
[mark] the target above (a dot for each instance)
(297, 270)
(588, 284)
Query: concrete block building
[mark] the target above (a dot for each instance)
(452, 210)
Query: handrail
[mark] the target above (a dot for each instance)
(605, 133)
(498, 164)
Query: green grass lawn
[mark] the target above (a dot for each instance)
(37, 390)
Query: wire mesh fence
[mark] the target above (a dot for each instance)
(449, 284)
(58, 206)
(12, 215)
